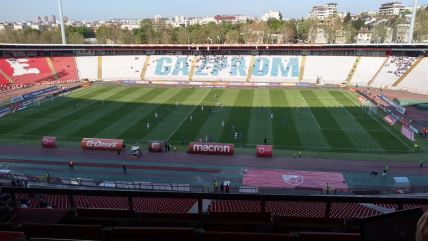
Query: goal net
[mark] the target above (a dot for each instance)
(369, 107)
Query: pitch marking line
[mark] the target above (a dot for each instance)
(311, 112)
(187, 116)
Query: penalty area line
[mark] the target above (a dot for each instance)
(316, 121)
(383, 125)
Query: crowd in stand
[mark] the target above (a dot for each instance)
(13, 87)
(401, 65)
(211, 63)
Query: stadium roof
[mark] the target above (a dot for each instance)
(422, 47)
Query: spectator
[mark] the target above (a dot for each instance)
(227, 188)
(421, 163)
(124, 168)
(215, 186)
(71, 164)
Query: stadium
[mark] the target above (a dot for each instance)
(231, 127)
(201, 142)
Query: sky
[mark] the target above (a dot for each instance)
(21, 10)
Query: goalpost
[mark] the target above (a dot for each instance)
(369, 107)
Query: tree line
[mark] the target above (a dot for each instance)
(250, 32)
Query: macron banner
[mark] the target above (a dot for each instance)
(210, 148)
(101, 144)
(264, 151)
(409, 134)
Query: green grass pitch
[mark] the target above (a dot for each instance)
(291, 119)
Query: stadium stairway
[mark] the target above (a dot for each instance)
(205, 205)
(52, 67)
(378, 71)
(193, 67)
(380, 209)
(5, 79)
(100, 68)
(145, 67)
(251, 68)
(418, 61)
(302, 68)
(351, 74)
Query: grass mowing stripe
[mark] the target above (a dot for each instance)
(109, 118)
(189, 130)
(360, 139)
(139, 129)
(12, 122)
(239, 118)
(335, 136)
(61, 122)
(385, 139)
(213, 124)
(260, 123)
(144, 107)
(283, 124)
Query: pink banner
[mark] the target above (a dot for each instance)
(409, 134)
(294, 179)
(390, 120)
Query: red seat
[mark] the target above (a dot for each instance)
(163, 205)
(141, 233)
(316, 236)
(65, 68)
(234, 206)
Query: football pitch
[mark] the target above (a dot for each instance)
(329, 120)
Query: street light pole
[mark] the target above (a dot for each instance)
(412, 22)
(64, 41)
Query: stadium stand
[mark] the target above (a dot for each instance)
(276, 69)
(27, 70)
(416, 81)
(221, 68)
(65, 68)
(163, 205)
(122, 67)
(296, 209)
(169, 67)
(87, 67)
(366, 69)
(234, 206)
(393, 69)
(229, 216)
(145, 205)
(351, 210)
(329, 69)
(30, 71)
